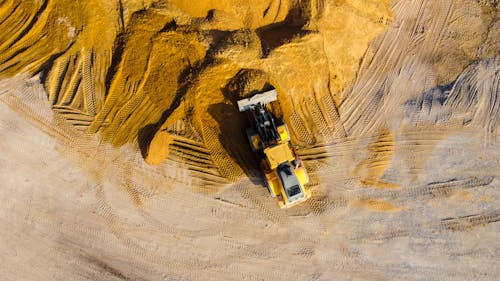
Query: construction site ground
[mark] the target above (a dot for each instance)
(123, 155)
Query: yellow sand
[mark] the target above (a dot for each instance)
(378, 206)
(129, 70)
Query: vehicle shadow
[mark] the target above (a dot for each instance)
(233, 124)
(274, 35)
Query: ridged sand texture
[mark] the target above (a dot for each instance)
(401, 145)
(130, 70)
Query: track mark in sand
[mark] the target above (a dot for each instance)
(332, 117)
(441, 25)
(108, 214)
(109, 76)
(32, 113)
(383, 235)
(417, 144)
(274, 6)
(464, 223)
(79, 147)
(228, 167)
(302, 133)
(137, 193)
(325, 131)
(224, 201)
(414, 51)
(77, 82)
(435, 189)
(372, 168)
(475, 96)
(78, 119)
(103, 267)
(189, 155)
(322, 203)
(438, 189)
(261, 202)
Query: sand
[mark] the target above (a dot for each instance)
(124, 156)
(128, 74)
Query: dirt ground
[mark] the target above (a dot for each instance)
(123, 155)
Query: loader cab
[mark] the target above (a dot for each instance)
(290, 182)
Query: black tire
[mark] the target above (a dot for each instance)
(266, 183)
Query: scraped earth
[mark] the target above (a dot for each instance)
(124, 155)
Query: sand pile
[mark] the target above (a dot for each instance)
(401, 146)
(153, 72)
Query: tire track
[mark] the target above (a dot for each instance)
(426, 31)
(464, 223)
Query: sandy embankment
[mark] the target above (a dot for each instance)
(397, 119)
(156, 73)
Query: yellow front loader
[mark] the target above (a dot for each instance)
(284, 174)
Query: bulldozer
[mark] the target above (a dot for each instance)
(283, 172)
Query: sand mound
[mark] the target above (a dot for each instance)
(153, 72)
(401, 146)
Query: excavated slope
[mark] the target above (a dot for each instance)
(155, 73)
(123, 155)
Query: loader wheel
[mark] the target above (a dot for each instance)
(266, 182)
